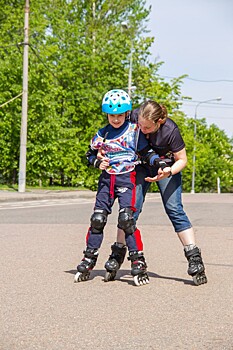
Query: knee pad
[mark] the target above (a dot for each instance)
(126, 221)
(98, 220)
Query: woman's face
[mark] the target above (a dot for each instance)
(148, 126)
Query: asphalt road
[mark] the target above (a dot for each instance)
(41, 243)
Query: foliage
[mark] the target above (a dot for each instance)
(214, 158)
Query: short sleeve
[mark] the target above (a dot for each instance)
(176, 141)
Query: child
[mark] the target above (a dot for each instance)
(120, 140)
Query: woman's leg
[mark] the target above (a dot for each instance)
(187, 237)
(171, 192)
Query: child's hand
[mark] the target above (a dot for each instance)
(104, 164)
(101, 154)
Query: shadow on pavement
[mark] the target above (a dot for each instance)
(124, 273)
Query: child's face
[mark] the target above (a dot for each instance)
(116, 120)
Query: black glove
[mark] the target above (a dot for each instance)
(92, 159)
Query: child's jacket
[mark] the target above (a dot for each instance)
(120, 145)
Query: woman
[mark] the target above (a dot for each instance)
(165, 139)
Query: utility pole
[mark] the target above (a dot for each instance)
(23, 134)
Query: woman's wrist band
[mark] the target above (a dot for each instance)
(170, 174)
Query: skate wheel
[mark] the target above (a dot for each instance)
(140, 280)
(109, 276)
(79, 277)
(199, 279)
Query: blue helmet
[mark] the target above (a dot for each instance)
(116, 102)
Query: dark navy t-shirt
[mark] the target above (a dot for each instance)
(167, 139)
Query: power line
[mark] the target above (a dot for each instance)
(162, 76)
(218, 107)
(12, 99)
(14, 46)
(6, 46)
(44, 64)
(208, 117)
(35, 53)
(230, 105)
(200, 80)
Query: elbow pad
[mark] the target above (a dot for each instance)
(153, 159)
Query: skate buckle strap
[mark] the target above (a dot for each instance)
(139, 262)
(136, 255)
(91, 253)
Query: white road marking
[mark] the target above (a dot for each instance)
(43, 203)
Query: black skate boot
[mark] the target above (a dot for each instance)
(138, 268)
(115, 261)
(87, 264)
(196, 267)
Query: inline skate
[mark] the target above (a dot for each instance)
(115, 261)
(196, 267)
(87, 264)
(138, 268)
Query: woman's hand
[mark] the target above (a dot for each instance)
(162, 174)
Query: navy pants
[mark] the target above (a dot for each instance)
(110, 187)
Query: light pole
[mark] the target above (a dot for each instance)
(125, 26)
(23, 134)
(195, 135)
(130, 69)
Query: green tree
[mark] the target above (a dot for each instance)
(78, 50)
(214, 158)
(10, 86)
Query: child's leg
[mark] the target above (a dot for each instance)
(141, 189)
(94, 239)
(94, 235)
(115, 261)
(86, 265)
(120, 236)
(123, 188)
(126, 222)
(136, 256)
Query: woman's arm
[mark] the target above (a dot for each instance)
(179, 165)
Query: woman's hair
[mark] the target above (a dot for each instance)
(151, 110)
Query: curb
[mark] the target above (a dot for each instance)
(28, 196)
(7, 196)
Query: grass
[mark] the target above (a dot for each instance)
(14, 188)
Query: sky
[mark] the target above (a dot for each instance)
(196, 38)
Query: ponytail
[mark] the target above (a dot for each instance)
(164, 112)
